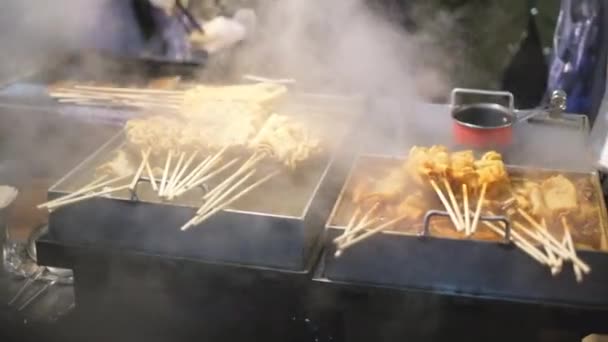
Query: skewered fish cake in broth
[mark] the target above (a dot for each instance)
(285, 140)
(559, 193)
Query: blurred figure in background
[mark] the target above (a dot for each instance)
(173, 30)
(578, 64)
(191, 30)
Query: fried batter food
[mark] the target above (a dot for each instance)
(463, 168)
(286, 140)
(160, 132)
(491, 169)
(428, 162)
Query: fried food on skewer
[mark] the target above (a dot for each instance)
(490, 170)
(285, 140)
(427, 165)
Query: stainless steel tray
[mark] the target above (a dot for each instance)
(464, 267)
(278, 225)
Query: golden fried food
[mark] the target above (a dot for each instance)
(428, 162)
(491, 171)
(286, 140)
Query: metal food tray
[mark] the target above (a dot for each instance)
(462, 267)
(276, 226)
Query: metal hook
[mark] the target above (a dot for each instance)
(429, 214)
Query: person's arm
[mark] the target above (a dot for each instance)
(221, 32)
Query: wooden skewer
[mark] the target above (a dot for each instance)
(570, 245)
(357, 229)
(220, 207)
(445, 203)
(549, 241)
(482, 195)
(202, 168)
(91, 195)
(352, 222)
(191, 175)
(369, 233)
(140, 169)
(176, 170)
(207, 167)
(556, 269)
(568, 255)
(82, 191)
(150, 172)
(161, 192)
(179, 93)
(364, 223)
(537, 237)
(559, 262)
(515, 236)
(209, 205)
(178, 179)
(207, 177)
(61, 92)
(521, 244)
(467, 214)
(455, 205)
(66, 96)
(96, 101)
(250, 163)
(76, 193)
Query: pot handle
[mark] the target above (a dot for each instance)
(456, 91)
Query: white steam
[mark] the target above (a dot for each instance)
(344, 46)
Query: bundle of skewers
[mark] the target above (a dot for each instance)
(466, 187)
(554, 203)
(101, 186)
(213, 140)
(165, 96)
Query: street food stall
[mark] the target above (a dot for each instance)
(190, 207)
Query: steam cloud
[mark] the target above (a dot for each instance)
(345, 46)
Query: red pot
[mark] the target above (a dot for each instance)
(483, 124)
